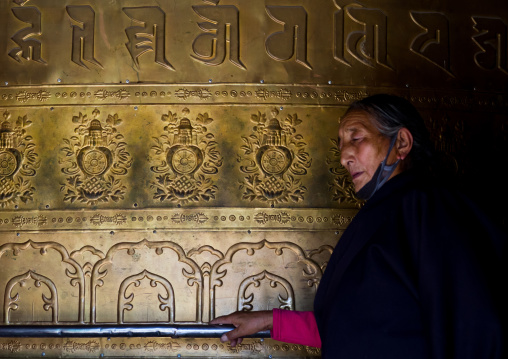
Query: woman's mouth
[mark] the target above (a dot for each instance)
(355, 175)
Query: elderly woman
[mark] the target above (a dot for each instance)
(417, 274)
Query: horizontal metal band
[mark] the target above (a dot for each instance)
(142, 330)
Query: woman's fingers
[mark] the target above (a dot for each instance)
(246, 323)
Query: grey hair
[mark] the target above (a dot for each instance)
(392, 113)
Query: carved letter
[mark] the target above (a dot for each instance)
(366, 40)
(281, 45)
(29, 49)
(434, 43)
(222, 33)
(150, 36)
(493, 43)
(83, 35)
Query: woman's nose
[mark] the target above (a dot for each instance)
(346, 156)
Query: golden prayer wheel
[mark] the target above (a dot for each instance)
(164, 163)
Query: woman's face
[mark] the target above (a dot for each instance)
(363, 147)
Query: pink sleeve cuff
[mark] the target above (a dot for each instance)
(295, 327)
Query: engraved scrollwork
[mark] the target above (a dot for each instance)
(324, 251)
(310, 269)
(90, 346)
(17, 159)
(92, 158)
(341, 187)
(206, 266)
(106, 267)
(50, 302)
(274, 157)
(12, 346)
(199, 218)
(125, 301)
(263, 218)
(189, 158)
(88, 260)
(245, 302)
(72, 269)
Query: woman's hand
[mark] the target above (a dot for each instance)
(246, 323)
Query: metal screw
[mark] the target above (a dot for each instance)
(179, 356)
(262, 81)
(281, 108)
(135, 108)
(43, 354)
(127, 81)
(261, 340)
(47, 206)
(248, 231)
(112, 232)
(329, 82)
(154, 231)
(210, 80)
(59, 80)
(407, 85)
(17, 234)
(6, 83)
(336, 232)
(102, 355)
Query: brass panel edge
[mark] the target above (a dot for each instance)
(152, 347)
(217, 219)
(241, 94)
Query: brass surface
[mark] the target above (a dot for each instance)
(169, 162)
(414, 43)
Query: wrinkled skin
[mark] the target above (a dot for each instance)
(363, 147)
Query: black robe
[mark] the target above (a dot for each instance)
(417, 274)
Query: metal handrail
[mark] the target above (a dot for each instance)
(115, 330)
